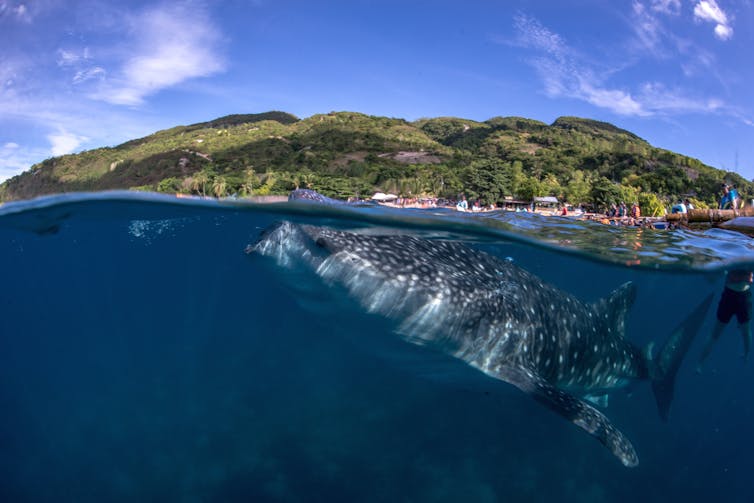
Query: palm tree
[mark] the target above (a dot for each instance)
(248, 182)
(219, 186)
(200, 181)
(307, 178)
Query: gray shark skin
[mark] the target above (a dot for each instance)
(494, 316)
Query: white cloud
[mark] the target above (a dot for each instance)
(616, 100)
(126, 57)
(67, 58)
(658, 98)
(564, 73)
(532, 34)
(672, 7)
(96, 72)
(14, 159)
(64, 142)
(18, 11)
(649, 33)
(723, 32)
(708, 10)
(171, 45)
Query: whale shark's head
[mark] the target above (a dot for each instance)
(288, 245)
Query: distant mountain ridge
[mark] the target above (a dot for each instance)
(349, 154)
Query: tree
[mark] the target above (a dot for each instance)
(551, 186)
(249, 180)
(577, 189)
(219, 186)
(199, 182)
(169, 185)
(651, 205)
(530, 189)
(604, 193)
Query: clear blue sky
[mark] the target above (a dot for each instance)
(76, 75)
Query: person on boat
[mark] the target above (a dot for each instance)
(736, 299)
(688, 204)
(462, 205)
(680, 207)
(730, 198)
(635, 211)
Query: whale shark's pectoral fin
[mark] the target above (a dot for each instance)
(598, 400)
(578, 412)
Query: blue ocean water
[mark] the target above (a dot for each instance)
(145, 357)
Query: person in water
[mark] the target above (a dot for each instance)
(736, 299)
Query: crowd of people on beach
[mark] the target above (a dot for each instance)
(617, 214)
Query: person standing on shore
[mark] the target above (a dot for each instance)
(736, 299)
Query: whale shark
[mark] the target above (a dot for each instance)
(495, 317)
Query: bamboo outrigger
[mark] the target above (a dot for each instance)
(741, 220)
(710, 216)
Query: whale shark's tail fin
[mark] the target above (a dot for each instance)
(665, 366)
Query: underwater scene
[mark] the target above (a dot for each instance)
(163, 349)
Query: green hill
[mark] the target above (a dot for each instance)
(348, 154)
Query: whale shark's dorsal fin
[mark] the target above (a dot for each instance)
(615, 307)
(578, 412)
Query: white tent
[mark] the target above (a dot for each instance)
(546, 199)
(381, 196)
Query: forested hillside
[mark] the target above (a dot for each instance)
(349, 154)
